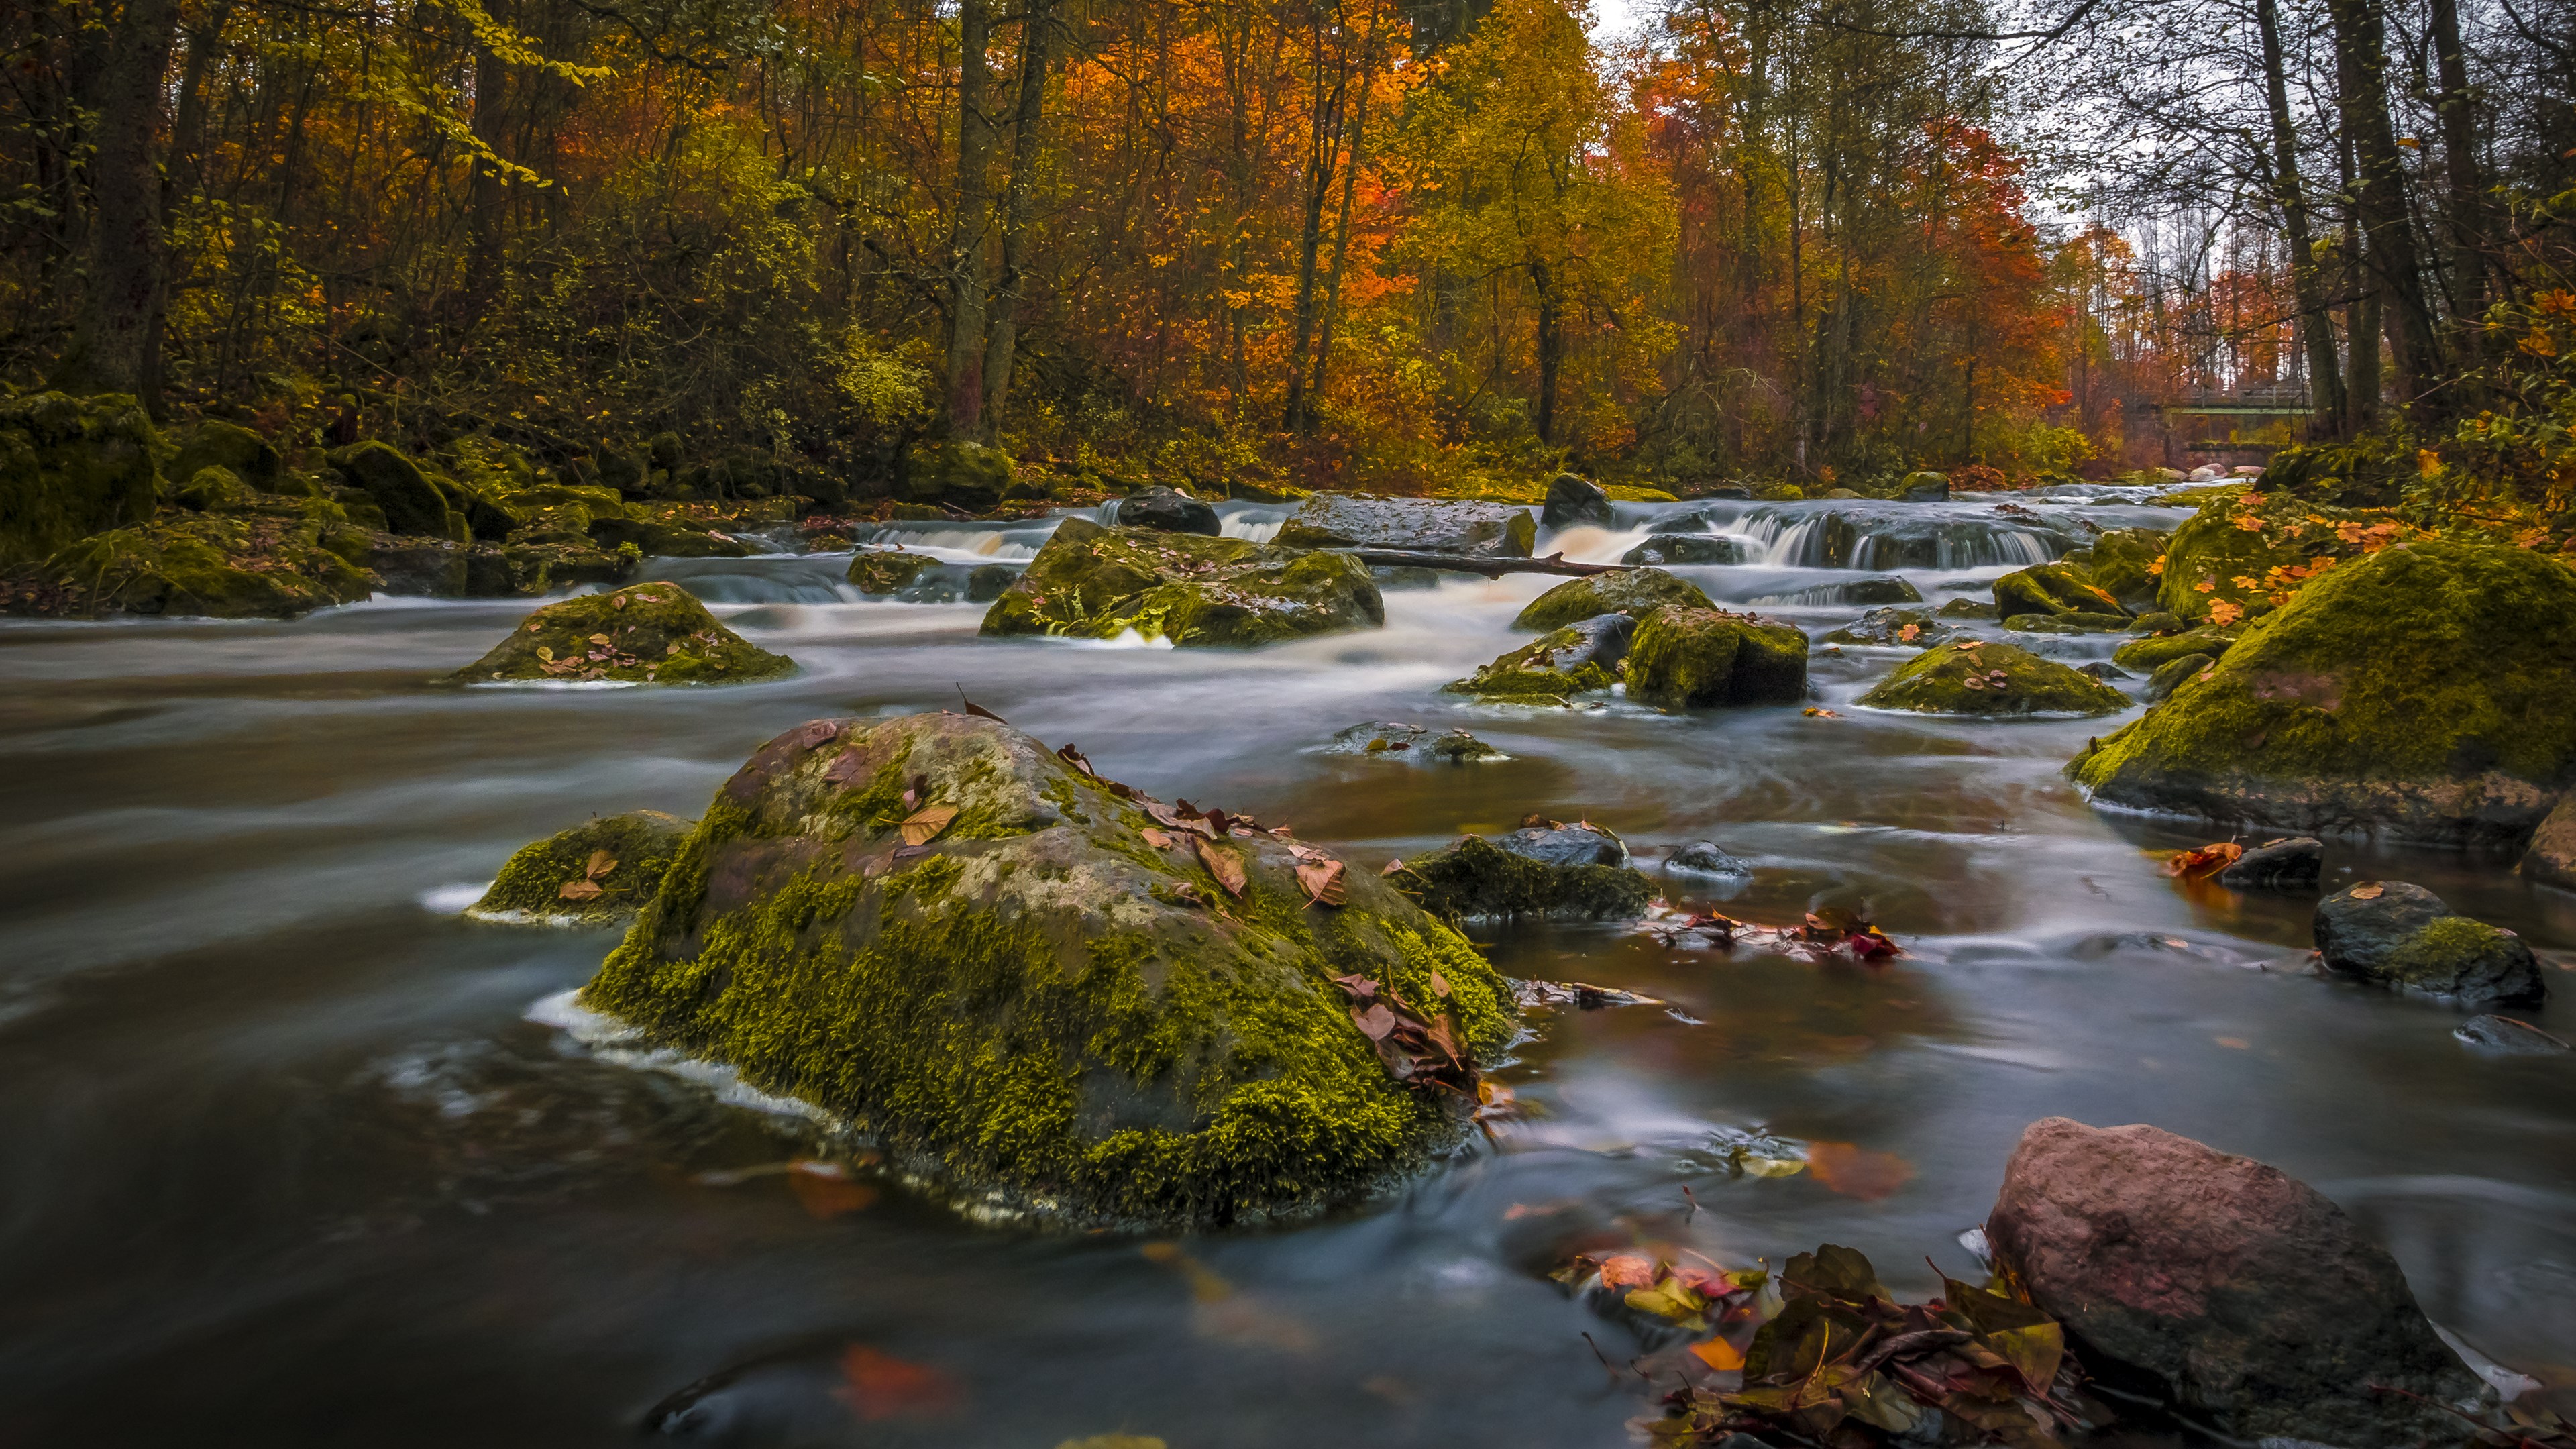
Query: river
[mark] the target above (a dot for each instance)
(291, 1152)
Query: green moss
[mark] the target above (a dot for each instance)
(1961, 680)
(1473, 877)
(2445, 953)
(1537, 672)
(2068, 623)
(1634, 592)
(1696, 658)
(2429, 689)
(1098, 583)
(2123, 564)
(1019, 1013)
(648, 633)
(411, 500)
(2214, 556)
(2054, 588)
(640, 846)
(885, 571)
(72, 466)
(230, 566)
(2154, 653)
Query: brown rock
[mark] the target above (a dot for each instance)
(2232, 1291)
(2551, 860)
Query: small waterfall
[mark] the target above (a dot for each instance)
(1895, 536)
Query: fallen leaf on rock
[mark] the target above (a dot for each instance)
(1392, 867)
(1156, 838)
(1323, 883)
(878, 1387)
(923, 826)
(601, 863)
(1821, 713)
(1627, 1270)
(1439, 984)
(579, 890)
(2208, 860)
(1375, 1023)
(844, 768)
(2368, 891)
(977, 710)
(1222, 864)
(1857, 1171)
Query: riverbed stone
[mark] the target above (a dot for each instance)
(2506, 1036)
(1095, 582)
(2123, 565)
(2208, 640)
(1476, 878)
(1685, 548)
(2225, 1287)
(216, 443)
(2295, 864)
(655, 633)
(664, 537)
(2551, 859)
(1991, 680)
(1692, 658)
(1573, 499)
(2402, 935)
(274, 565)
(2427, 691)
(2055, 588)
(1168, 509)
(1707, 857)
(70, 467)
(1582, 656)
(593, 874)
(1634, 592)
(1924, 487)
(1911, 628)
(1038, 1001)
(887, 570)
(2214, 557)
(1968, 609)
(1429, 525)
(1412, 742)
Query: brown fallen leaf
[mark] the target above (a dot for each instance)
(1156, 838)
(601, 863)
(1439, 984)
(579, 890)
(1627, 1270)
(1323, 882)
(1857, 1171)
(825, 1191)
(1392, 867)
(1223, 865)
(844, 768)
(1375, 1022)
(2368, 891)
(2208, 860)
(977, 710)
(923, 826)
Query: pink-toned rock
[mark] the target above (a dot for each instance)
(2226, 1288)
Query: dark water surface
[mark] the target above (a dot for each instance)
(288, 1154)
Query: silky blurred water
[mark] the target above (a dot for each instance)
(284, 1159)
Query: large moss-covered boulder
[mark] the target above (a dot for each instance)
(411, 500)
(1696, 658)
(2162, 649)
(1992, 680)
(69, 467)
(2250, 550)
(2124, 565)
(298, 556)
(1633, 592)
(1016, 981)
(888, 570)
(2427, 691)
(654, 633)
(2053, 588)
(963, 477)
(592, 874)
(230, 446)
(1434, 525)
(1098, 583)
(1559, 664)
(1527, 873)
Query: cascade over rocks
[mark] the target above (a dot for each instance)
(2224, 1287)
(1685, 548)
(1689, 658)
(2428, 691)
(655, 633)
(2401, 935)
(1097, 583)
(592, 874)
(1415, 525)
(1003, 970)
(1634, 592)
(1168, 509)
(1572, 499)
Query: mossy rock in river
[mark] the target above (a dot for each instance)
(887, 570)
(1633, 592)
(1901, 628)
(2124, 564)
(1098, 583)
(2245, 549)
(965, 477)
(1697, 658)
(2428, 690)
(643, 634)
(69, 467)
(219, 444)
(1472, 877)
(1559, 664)
(1039, 1002)
(2053, 588)
(591, 874)
(2163, 649)
(300, 556)
(1434, 525)
(1994, 681)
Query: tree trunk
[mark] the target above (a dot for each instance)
(1323, 145)
(1342, 229)
(1551, 348)
(1001, 332)
(2364, 389)
(2307, 290)
(486, 198)
(112, 341)
(2468, 199)
(2395, 273)
(966, 233)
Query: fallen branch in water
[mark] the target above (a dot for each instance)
(1396, 558)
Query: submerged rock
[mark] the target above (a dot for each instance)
(1565, 845)
(2402, 935)
(2428, 691)
(1706, 857)
(1391, 578)
(654, 633)
(1343, 520)
(1993, 680)
(594, 874)
(1167, 509)
(1572, 499)
(887, 570)
(2227, 1288)
(1473, 877)
(1036, 1000)
(2296, 864)
(1886, 589)
(2070, 623)
(1098, 583)
(1412, 742)
(1685, 548)
(2505, 1037)
(2551, 859)
(1634, 592)
(1915, 628)
(2055, 588)
(70, 467)
(1698, 658)
(1581, 656)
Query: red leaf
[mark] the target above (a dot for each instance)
(878, 1387)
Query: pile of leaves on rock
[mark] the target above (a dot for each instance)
(1827, 931)
(1822, 1354)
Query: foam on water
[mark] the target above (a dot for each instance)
(611, 1040)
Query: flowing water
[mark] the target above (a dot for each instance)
(293, 1153)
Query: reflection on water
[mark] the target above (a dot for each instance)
(286, 1161)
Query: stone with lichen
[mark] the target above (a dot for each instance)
(1098, 583)
(1992, 680)
(654, 633)
(592, 874)
(1690, 658)
(1635, 592)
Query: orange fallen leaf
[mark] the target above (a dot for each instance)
(878, 1387)
(1627, 1270)
(1222, 864)
(1719, 1354)
(1857, 1171)
(2208, 860)
(923, 826)
(1156, 838)
(2233, 1043)
(2369, 891)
